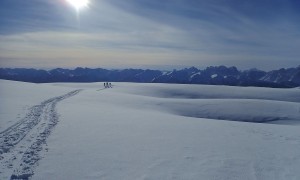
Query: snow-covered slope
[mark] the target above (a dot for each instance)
(16, 98)
(154, 131)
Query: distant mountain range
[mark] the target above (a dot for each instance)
(217, 75)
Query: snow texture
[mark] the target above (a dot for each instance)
(150, 131)
(214, 76)
(22, 144)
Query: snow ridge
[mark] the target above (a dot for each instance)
(22, 144)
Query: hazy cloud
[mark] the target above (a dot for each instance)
(141, 33)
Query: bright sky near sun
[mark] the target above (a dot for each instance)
(78, 4)
(149, 34)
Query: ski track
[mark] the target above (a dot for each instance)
(23, 144)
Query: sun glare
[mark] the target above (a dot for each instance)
(78, 4)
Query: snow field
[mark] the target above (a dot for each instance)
(16, 98)
(124, 133)
(163, 131)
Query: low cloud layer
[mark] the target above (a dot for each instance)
(142, 33)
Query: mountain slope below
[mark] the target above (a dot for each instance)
(156, 131)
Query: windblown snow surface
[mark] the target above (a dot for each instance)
(148, 132)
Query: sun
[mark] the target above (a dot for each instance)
(78, 4)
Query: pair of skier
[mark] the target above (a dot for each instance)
(107, 85)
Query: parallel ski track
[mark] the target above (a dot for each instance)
(22, 145)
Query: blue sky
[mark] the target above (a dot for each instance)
(156, 34)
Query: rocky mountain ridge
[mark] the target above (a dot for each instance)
(213, 75)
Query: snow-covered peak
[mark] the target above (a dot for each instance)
(214, 76)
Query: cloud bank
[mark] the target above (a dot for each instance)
(142, 33)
